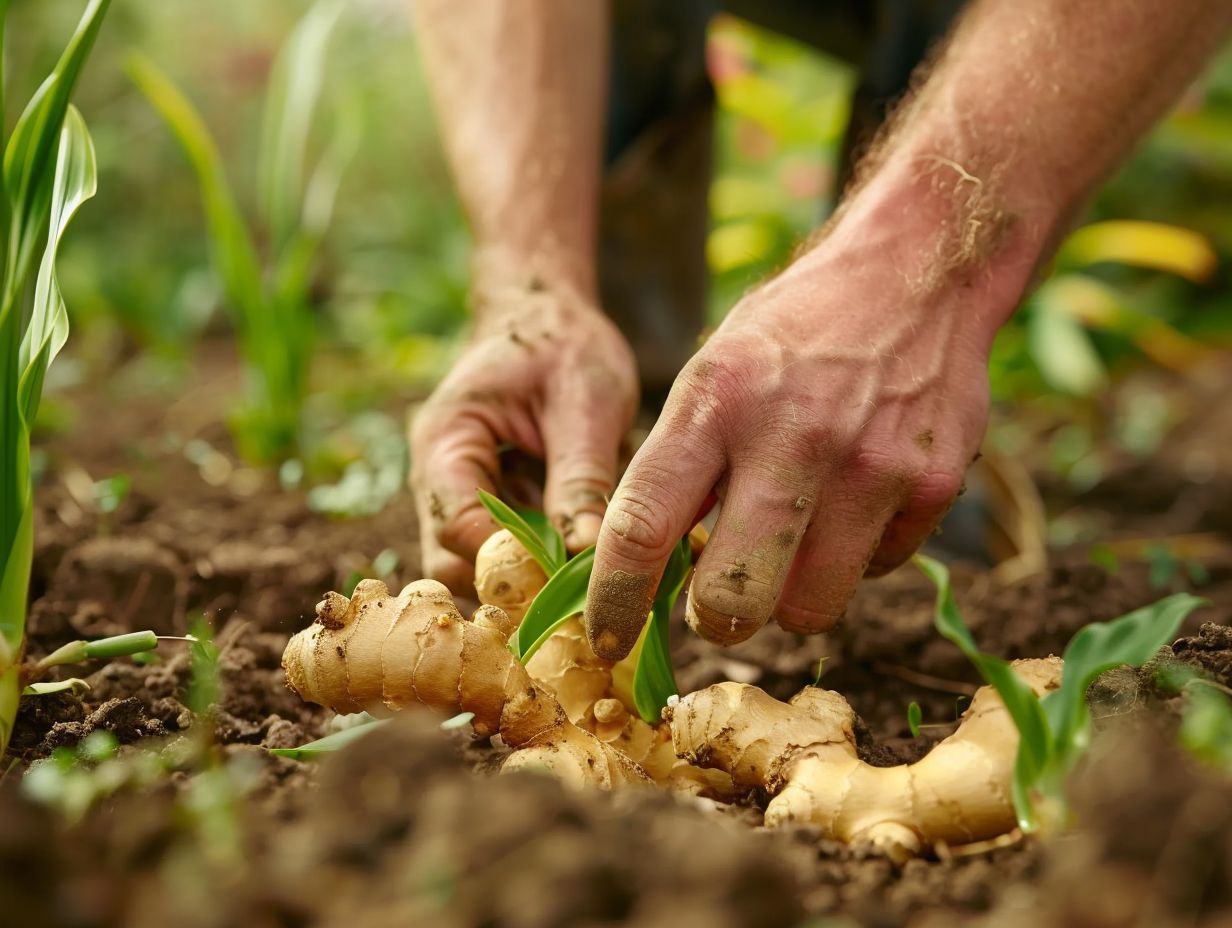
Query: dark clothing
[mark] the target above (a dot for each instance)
(654, 212)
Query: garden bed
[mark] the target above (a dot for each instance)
(408, 827)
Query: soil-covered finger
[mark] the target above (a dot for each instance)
(653, 508)
(833, 556)
(447, 471)
(747, 560)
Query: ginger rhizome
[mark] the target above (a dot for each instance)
(380, 653)
(377, 652)
(803, 753)
(506, 575)
(563, 712)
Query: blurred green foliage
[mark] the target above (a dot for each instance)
(136, 271)
(389, 294)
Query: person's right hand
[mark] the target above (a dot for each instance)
(546, 372)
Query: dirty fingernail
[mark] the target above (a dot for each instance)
(617, 606)
(719, 627)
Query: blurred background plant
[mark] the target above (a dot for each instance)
(271, 305)
(1142, 287)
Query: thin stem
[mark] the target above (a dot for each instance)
(118, 646)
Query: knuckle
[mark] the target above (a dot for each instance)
(637, 520)
(577, 471)
(814, 439)
(712, 389)
(881, 465)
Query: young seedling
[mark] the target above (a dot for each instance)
(271, 305)
(1055, 728)
(1006, 763)
(48, 172)
(563, 596)
(914, 717)
(133, 644)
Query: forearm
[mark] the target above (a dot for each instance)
(1030, 106)
(520, 88)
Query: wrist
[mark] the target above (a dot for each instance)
(500, 270)
(513, 292)
(946, 230)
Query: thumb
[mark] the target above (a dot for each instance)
(582, 448)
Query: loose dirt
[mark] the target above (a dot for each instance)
(409, 827)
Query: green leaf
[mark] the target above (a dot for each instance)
(1130, 640)
(47, 687)
(1206, 725)
(654, 680)
(14, 582)
(235, 255)
(296, 79)
(34, 179)
(1061, 347)
(564, 595)
(541, 540)
(330, 743)
(76, 181)
(553, 541)
(275, 328)
(1034, 744)
(31, 151)
(914, 717)
(204, 678)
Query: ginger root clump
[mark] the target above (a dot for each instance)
(378, 652)
(506, 575)
(804, 755)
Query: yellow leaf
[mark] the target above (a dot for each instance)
(1141, 244)
(736, 244)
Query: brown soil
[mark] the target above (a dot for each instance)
(407, 827)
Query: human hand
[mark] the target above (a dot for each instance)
(833, 414)
(545, 372)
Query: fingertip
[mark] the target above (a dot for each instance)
(721, 628)
(617, 606)
(455, 572)
(582, 531)
(800, 621)
(879, 568)
(465, 533)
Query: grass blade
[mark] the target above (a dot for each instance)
(535, 533)
(564, 595)
(330, 743)
(654, 680)
(295, 86)
(234, 252)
